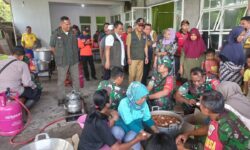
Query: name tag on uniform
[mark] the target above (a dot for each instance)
(59, 37)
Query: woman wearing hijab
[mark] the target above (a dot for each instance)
(192, 53)
(166, 47)
(96, 134)
(232, 57)
(235, 101)
(134, 113)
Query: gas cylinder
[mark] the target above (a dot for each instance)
(10, 114)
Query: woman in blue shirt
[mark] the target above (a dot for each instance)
(134, 114)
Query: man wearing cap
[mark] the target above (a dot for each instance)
(245, 22)
(114, 50)
(137, 50)
(85, 45)
(63, 43)
(161, 85)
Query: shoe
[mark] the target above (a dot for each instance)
(94, 78)
(29, 103)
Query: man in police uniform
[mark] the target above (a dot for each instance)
(64, 45)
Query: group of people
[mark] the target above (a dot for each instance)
(209, 82)
(181, 72)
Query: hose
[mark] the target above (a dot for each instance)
(12, 142)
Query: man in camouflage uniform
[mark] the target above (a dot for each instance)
(225, 132)
(161, 85)
(190, 92)
(116, 93)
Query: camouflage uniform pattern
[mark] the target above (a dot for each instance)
(116, 94)
(170, 49)
(233, 133)
(157, 82)
(188, 91)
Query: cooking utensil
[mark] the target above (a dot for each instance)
(172, 129)
(42, 54)
(43, 65)
(48, 144)
(74, 103)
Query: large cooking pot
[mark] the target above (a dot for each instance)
(48, 144)
(42, 54)
(173, 129)
(43, 65)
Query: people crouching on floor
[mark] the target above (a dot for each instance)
(15, 74)
(98, 132)
(225, 130)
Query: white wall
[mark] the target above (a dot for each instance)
(192, 15)
(74, 11)
(34, 13)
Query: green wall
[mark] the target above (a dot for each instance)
(163, 17)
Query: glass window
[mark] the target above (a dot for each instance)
(232, 17)
(127, 16)
(214, 41)
(100, 20)
(213, 19)
(216, 3)
(205, 21)
(85, 19)
(206, 4)
(233, 2)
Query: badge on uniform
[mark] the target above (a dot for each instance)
(59, 37)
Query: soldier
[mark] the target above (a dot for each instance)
(225, 131)
(116, 93)
(190, 92)
(161, 85)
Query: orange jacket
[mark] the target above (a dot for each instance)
(85, 49)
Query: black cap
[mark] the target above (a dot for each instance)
(247, 18)
(139, 20)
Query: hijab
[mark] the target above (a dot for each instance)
(233, 50)
(172, 37)
(234, 97)
(135, 92)
(194, 49)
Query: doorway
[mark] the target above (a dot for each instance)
(163, 17)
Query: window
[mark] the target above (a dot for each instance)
(85, 22)
(115, 18)
(218, 17)
(128, 19)
(100, 20)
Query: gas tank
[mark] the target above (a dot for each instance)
(10, 116)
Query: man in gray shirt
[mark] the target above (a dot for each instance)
(64, 45)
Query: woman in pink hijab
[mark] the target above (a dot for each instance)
(192, 53)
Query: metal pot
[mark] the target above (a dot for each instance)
(173, 129)
(74, 103)
(48, 144)
(42, 54)
(43, 65)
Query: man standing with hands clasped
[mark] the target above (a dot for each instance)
(137, 50)
(64, 45)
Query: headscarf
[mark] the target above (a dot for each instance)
(233, 50)
(234, 97)
(194, 49)
(172, 37)
(135, 92)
